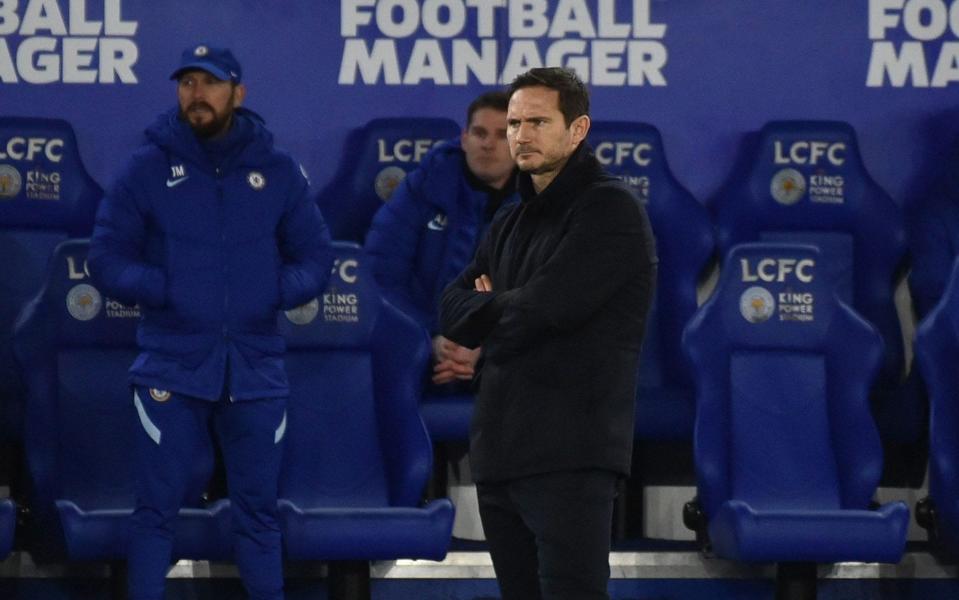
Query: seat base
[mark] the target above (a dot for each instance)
(739, 532)
(201, 534)
(367, 533)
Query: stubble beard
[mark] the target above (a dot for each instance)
(208, 129)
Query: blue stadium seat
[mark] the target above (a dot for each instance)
(685, 245)
(787, 454)
(45, 196)
(937, 348)
(932, 226)
(8, 523)
(805, 182)
(74, 346)
(357, 455)
(376, 158)
(447, 416)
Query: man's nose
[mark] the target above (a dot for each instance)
(523, 132)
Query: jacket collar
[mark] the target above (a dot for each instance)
(579, 171)
(247, 142)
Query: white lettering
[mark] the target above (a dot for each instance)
(20, 148)
(621, 151)
(452, 27)
(910, 67)
(809, 153)
(43, 15)
(36, 56)
(646, 62)
(572, 16)
(485, 11)
(523, 56)
(466, 60)
(777, 270)
(947, 67)
(426, 62)
(569, 53)
(117, 57)
(9, 19)
(907, 62)
(409, 19)
(77, 58)
(608, 27)
(583, 35)
(607, 60)
(802, 270)
(8, 74)
(404, 150)
(46, 68)
(527, 19)
(115, 25)
(879, 18)
(73, 272)
(347, 271)
(358, 57)
(938, 19)
(78, 20)
(643, 27)
(351, 17)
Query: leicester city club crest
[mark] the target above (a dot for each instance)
(788, 186)
(756, 304)
(387, 180)
(84, 302)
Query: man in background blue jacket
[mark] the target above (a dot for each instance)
(427, 233)
(210, 231)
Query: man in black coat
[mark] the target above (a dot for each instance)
(557, 295)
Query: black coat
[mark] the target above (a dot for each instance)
(573, 271)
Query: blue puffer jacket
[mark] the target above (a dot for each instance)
(210, 254)
(427, 233)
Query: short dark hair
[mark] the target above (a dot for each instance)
(573, 95)
(497, 100)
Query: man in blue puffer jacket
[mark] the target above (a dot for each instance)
(210, 231)
(427, 233)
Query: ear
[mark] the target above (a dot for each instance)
(579, 128)
(239, 94)
(463, 136)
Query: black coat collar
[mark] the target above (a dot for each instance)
(580, 170)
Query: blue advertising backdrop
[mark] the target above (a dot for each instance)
(706, 73)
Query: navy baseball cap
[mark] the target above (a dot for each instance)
(219, 62)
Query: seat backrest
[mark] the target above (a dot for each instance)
(355, 363)
(806, 183)
(376, 159)
(937, 345)
(46, 196)
(684, 241)
(74, 345)
(932, 228)
(783, 371)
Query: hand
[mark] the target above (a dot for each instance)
(483, 283)
(452, 361)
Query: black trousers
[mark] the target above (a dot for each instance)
(549, 534)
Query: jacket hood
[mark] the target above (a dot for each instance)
(175, 137)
